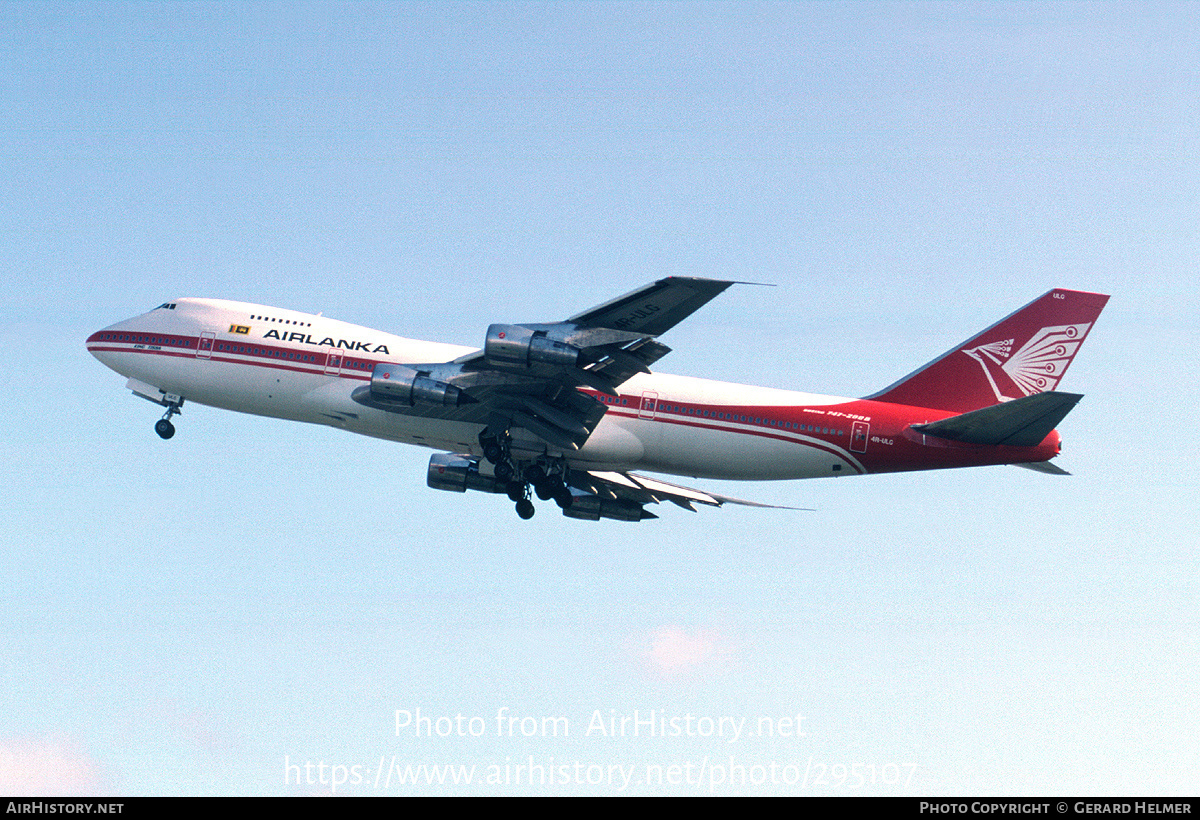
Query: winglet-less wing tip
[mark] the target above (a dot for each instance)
(655, 308)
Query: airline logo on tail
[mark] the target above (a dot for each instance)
(1025, 353)
(1038, 366)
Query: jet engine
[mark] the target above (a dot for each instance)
(448, 471)
(516, 345)
(592, 508)
(397, 383)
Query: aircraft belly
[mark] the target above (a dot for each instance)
(697, 450)
(438, 434)
(249, 390)
(739, 455)
(615, 443)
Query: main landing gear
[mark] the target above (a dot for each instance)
(163, 426)
(519, 479)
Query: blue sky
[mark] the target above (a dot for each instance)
(195, 617)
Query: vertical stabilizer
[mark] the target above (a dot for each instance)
(1025, 353)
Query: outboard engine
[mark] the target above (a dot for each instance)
(448, 471)
(523, 347)
(592, 508)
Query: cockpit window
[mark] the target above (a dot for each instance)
(167, 305)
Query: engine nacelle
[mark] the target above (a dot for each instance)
(518, 346)
(448, 471)
(593, 508)
(397, 383)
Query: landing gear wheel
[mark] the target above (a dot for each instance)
(544, 489)
(525, 509)
(495, 448)
(550, 487)
(563, 497)
(504, 471)
(516, 491)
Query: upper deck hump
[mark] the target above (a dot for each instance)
(297, 327)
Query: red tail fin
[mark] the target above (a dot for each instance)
(1026, 353)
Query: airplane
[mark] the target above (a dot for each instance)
(567, 410)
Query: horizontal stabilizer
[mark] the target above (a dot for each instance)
(1022, 422)
(1043, 467)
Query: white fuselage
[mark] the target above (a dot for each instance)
(272, 362)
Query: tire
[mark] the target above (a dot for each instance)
(525, 509)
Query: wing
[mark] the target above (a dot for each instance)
(524, 389)
(653, 309)
(621, 496)
(586, 494)
(527, 376)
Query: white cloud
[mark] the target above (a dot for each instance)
(672, 650)
(51, 767)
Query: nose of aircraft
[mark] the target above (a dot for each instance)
(107, 343)
(101, 344)
(141, 345)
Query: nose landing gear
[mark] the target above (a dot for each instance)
(163, 426)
